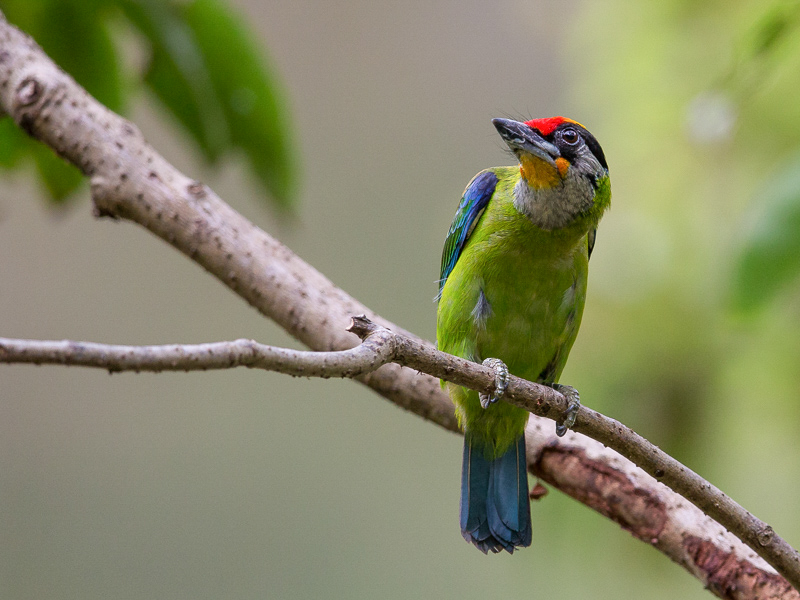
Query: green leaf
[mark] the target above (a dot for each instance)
(178, 74)
(74, 34)
(205, 68)
(772, 28)
(769, 257)
(59, 177)
(13, 144)
(250, 95)
(26, 14)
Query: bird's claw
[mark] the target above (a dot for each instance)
(500, 381)
(573, 404)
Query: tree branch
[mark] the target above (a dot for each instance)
(377, 349)
(129, 180)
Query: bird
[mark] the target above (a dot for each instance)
(512, 289)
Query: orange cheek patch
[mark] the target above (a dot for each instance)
(562, 164)
(538, 173)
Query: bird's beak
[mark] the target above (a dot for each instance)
(537, 157)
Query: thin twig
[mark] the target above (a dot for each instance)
(376, 350)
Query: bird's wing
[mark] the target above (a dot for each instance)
(592, 235)
(472, 205)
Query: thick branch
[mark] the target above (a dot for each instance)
(131, 181)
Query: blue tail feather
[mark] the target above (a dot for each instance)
(495, 510)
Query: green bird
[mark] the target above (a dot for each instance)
(511, 295)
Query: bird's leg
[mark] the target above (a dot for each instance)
(573, 404)
(500, 381)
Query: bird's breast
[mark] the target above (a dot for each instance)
(527, 312)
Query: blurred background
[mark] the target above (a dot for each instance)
(250, 485)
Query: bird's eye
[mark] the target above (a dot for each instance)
(570, 136)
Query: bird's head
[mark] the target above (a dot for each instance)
(563, 169)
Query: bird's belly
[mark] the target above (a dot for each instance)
(532, 327)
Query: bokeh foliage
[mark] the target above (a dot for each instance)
(698, 261)
(202, 63)
(769, 255)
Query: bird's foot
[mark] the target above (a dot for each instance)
(500, 381)
(573, 404)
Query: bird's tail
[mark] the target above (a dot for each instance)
(495, 510)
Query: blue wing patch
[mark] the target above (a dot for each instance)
(472, 205)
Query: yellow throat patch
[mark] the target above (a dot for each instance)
(541, 174)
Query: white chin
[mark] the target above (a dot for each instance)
(550, 208)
